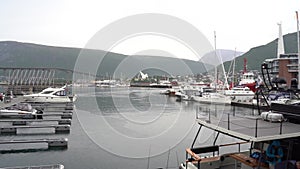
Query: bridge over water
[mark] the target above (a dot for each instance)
(20, 80)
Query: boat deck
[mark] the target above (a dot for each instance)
(249, 128)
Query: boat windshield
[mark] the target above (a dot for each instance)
(61, 93)
(248, 76)
(47, 92)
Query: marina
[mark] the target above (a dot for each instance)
(131, 85)
(35, 121)
(96, 155)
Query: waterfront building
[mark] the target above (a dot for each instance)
(285, 66)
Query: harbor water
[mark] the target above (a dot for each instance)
(121, 128)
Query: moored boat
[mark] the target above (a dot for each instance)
(23, 110)
(53, 95)
(208, 95)
(240, 95)
(257, 141)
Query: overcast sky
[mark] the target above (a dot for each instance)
(240, 24)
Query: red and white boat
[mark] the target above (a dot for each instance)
(248, 78)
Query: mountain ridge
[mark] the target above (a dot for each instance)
(22, 54)
(257, 55)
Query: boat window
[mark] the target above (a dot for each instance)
(47, 92)
(61, 93)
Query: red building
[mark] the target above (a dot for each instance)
(286, 67)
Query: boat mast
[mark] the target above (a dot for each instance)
(298, 49)
(216, 71)
(245, 65)
(233, 68)
(221, 61)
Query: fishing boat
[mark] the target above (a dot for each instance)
(247, 78)
(52, 95)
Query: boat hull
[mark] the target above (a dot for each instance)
(216, 99)
(47, 99)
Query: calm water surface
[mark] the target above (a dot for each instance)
(122, 128)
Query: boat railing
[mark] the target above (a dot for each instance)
(194, 155)
(231, 121)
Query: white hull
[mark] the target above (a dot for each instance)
(240, 95)
(43, 99)
(51, 95)
(215, 98)
(242, 99)
(5, 112)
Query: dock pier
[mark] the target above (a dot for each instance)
(40, 116)
(24, 122)
(13, 129)
(50, 118)
(52, 143)
(55, 166)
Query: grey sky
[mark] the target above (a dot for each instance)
(241, 24)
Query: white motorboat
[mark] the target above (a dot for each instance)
(53, 95)
(23, 110)
(186, 92)
(208, 95)
(213, 97)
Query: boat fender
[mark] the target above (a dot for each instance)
(222, 158)
(267, 116)
(39, 114)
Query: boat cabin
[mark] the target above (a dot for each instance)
(269, 144)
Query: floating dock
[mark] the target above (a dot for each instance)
(50, 117)
(56, 166)
(40, 116)
(24, 122)
(13, 129)
(62, 142)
